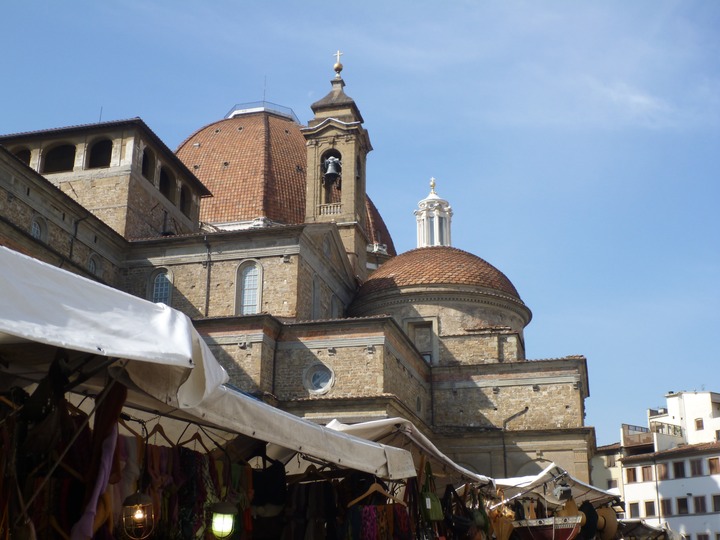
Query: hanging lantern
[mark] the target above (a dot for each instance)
(138, 516)
(223, 519)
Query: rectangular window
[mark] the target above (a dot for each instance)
(714, 465)
(699, 426)
(716, 503)
(647, 473)
(678, 469)
(634, 510)
(666, 507)
(696, 467)
(699, 504)
(422, 336)
(631, 475)
(611, 484)
(649, 508)
(682, 506)
(610, 460)
(703, 536)
(662, 471)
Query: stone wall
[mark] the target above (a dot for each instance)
(71, 236)
(357, 372)
(488, 395)
(481, 348)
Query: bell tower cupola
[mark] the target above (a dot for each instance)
(433, 220)
(337, 148)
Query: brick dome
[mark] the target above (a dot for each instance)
(440, 265)
(255, 166)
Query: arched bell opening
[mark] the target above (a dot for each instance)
(331, 174)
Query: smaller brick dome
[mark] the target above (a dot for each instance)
(439, 265)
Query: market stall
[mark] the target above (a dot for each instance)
(553, 505)
(106, 397)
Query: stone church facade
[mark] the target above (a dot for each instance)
(260, 230)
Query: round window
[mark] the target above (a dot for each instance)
(318, 379)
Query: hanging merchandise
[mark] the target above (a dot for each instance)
(479, 514)
(269, 498)
(457, 516)
(430, 505)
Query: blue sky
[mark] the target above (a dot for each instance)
(578, 142)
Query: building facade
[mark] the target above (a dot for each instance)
(261, 230)
(668, 473)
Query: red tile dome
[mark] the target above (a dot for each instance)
(254, 165)
(440, 265)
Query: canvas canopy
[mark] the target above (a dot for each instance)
(543, 486)
(44, 308)
(402, 433)
(156, 352)
(638, 529)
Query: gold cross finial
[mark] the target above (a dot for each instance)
(338, 66)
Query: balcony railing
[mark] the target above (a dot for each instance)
(330, 209)
(666, 429)
(633, 435)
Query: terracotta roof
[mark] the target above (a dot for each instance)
(377, 230)
(254, 164)
(440, 265)
(609, 447)
(688, 449)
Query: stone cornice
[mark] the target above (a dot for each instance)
(445, 293)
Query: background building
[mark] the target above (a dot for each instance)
(260, 229)
(669, 472)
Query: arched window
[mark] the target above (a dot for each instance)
(161, 287)
(38, 229)
(59, 159)
(92, 265)
(167, 184)
(100, 154)
(148, 164)
(249, 288)
(185, 200)
(23, 154)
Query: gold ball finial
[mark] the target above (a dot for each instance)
(338, 67)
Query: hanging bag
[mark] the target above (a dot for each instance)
(457, 515)
(430, 505)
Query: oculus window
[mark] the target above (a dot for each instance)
(318, 379)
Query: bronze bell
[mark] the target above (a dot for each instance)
(333, 169)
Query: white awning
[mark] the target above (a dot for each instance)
(156, 352)
(402, 433)
(163, 353)
(288, 434)
(543, 484)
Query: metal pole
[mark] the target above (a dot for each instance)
(504, 428)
